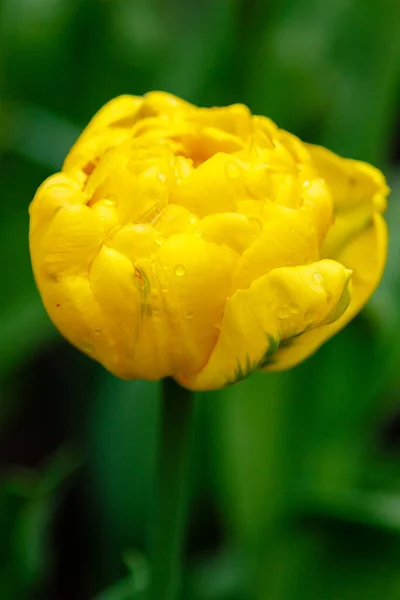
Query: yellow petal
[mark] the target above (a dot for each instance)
(70, 243)
(366, 256)
(214, 187)
(72, 308)
(136, 241)
(287, 238)
(317, 201)
(203, 143)
(137, 177)
(87, 152)
(118, 294)
(235, 119)
(351, 182)
(233, 229)
(175, 219)
(56, 192)
(105, 212)
(116, 111)
(109, 127)
(188, 280)
(279, 305)
(167, 104)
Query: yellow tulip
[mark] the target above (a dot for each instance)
(203, 243)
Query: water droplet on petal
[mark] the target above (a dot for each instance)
(110, 201)
(192, 220)
(159, 239)
(256, 223)
(189, 314)
(232, 170)
(161, 177)
(317, 277)
(180, 270)
(165, 267)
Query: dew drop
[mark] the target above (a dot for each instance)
(317, 277)
(189, 314)
(110, 201)
(192, 220)
(180, 270)
(161, 177)
(256, 224)
(232, 170)
(165, 267)
(159, 239)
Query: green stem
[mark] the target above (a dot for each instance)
(171, 488)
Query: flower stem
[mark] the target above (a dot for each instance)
(171, 488)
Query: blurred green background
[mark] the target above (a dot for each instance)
(295, 487)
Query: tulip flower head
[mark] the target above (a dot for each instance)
(203, 243)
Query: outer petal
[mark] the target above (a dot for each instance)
(288, 238)
(185, 288)
(72, 308)
(235, 119)
(168, 104)
(109, 126)
(232, 229)
(118, 294)
(351, 181)
(69, 244)
(121, 111)
(56, 192)
(279, 305)
(366, 256)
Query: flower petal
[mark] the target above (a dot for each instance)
(366, 256)
(69, 244)
(72, 308)
(351, 181)
(115, 289)
(56, 192)
(288, 238)
(188, 280)
(233, 229)
(214, 187)
(279, 305)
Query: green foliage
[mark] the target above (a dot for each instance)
(295, 489)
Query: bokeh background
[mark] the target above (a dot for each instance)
(295, 486)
